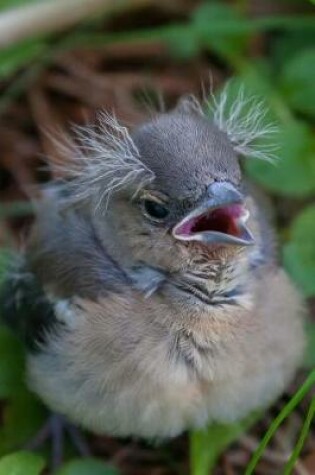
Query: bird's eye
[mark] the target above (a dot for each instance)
(155, 210)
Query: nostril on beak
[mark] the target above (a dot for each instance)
(224, 192)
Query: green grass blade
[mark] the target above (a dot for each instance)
(288, 408)
(300, 443)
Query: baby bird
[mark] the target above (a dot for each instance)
(149, 295)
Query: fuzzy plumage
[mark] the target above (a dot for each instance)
(155, 331)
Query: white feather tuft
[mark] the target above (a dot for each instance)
(104, 161)
(243, 120)
(245, 123)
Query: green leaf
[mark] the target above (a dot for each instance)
(207, 445)
(88, 466)
(289, 44)
(294, 173)
(303, 230)
(297, 82)
(302, 273)
(299, 253)
(22, 417)
(11, 364)
(221, 27)
(21, 463)
(182, 42)
(17, 56)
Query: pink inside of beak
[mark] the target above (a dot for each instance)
(222, 220)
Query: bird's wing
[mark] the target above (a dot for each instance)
(63, 260)
(68, 258)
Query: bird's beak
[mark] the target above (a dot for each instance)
(220, 219)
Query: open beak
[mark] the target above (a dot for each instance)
(221, 219)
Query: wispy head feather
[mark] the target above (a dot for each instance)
(245, 123)
(241, 117)
(103, 160)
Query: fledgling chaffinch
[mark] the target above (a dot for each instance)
(149, 295)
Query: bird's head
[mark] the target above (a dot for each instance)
(169, 191)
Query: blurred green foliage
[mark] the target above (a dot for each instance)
(297, 82)
(284, 78)
(11, 364)
(8, 4)
(206, 445)
(19, 55)
(21, 463)
(27, 463)
(87, 466)
(299, 252)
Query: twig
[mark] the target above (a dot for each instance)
(54, 15)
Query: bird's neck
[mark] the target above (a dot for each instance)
(215, 282)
